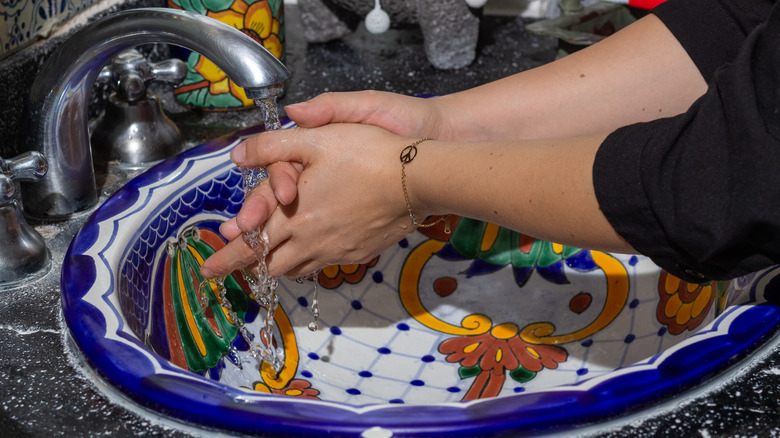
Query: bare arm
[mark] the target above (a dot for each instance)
(350, 203)
(641, 73)
(543, 187)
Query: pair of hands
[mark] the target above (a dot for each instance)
(333, 195)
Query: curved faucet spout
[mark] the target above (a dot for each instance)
(59, 98)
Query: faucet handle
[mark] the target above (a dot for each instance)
(128, 61)
(24, 250)
(7, 190)
(170, 71)
(129, 73)
(29, 166)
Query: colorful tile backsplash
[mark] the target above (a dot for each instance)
(24, 21)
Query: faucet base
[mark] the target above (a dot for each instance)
(24, 257)
(135, 135)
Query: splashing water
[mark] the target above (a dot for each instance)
(262, 285)
(315, 302)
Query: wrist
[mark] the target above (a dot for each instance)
(417, 213)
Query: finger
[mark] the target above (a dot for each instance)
(229, 229)
(285, 260)
(235, 255)
(270, 147)
(284, 254)
(305, 269)
(354, 107)
(257, 207)
(284, 180)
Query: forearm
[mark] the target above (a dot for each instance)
(542, 188)
(641, 73)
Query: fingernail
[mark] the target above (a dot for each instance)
(238, 154)
(296, 106)
(279, 198)
(206, 272)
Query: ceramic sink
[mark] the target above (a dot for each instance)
(480, 332)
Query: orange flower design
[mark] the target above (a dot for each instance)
(683, 305)
(331, 277)
(256, 20)
(296, 388)
(490, 355)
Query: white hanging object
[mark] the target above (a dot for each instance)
(377, 21)
(476, 3)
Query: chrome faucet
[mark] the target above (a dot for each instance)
(59, 99)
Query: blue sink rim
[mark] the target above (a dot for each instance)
(152, 382)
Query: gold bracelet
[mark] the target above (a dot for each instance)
(407, 155)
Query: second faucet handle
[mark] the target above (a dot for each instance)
(29, 166)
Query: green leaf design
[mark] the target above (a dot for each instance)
(216, 345)
(467, 372)
(521, 374)
(467, 240)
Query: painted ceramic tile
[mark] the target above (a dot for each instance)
(206, 85)
(24, 21)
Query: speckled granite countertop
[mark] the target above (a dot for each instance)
(44, 391)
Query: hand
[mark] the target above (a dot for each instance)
(403, 115)
(278, 189)
(349, 205)
(406, 116)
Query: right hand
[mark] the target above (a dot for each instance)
(402, 115)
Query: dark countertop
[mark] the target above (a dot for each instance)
(44, 391)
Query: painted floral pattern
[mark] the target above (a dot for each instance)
(201, 334)
(489, 352)
(331, 277)
(296, 388)
(206, 85)
(683, 306)
(489, 356)
(492, 247)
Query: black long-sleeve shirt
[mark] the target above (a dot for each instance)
(699, 193)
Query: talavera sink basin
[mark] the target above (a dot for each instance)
(482, 332)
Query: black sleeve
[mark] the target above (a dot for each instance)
(712, 31)
(700, 193)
